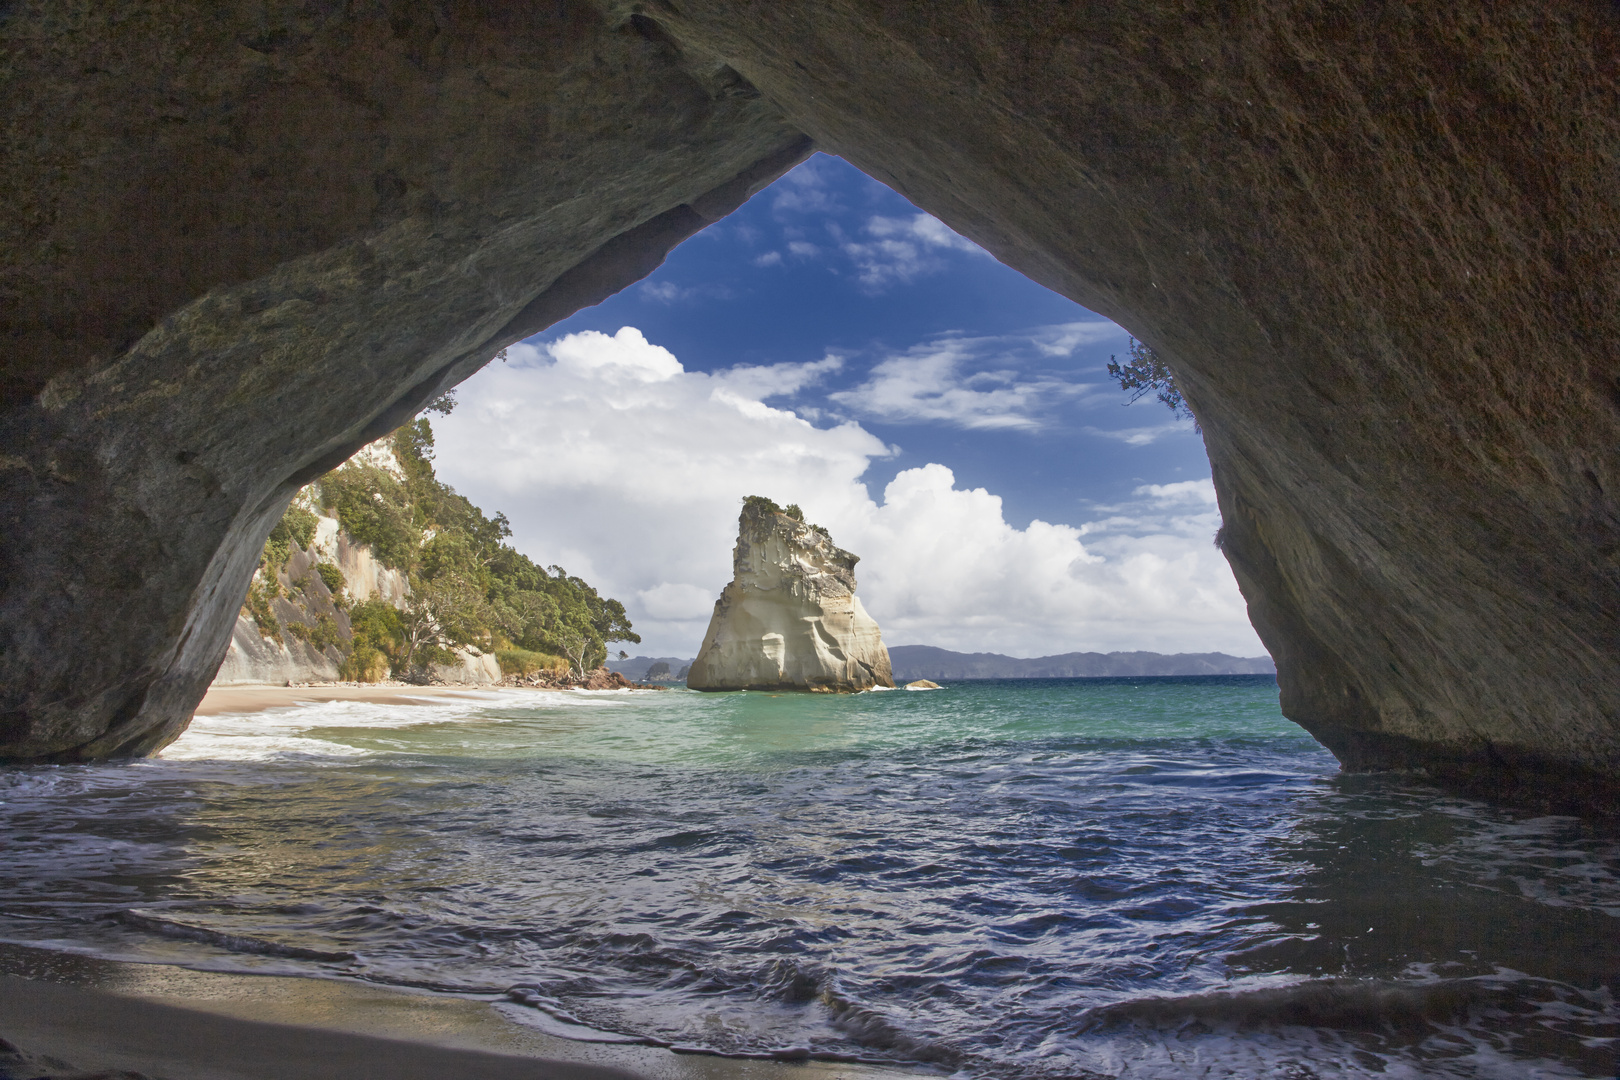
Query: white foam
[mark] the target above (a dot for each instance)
(292, 732)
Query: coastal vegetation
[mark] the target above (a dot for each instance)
(760, 504)
(467, 585)
(1147, 373)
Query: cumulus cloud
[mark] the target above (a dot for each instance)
(933, 382)
(614, 461)
(952, 572)
(898, 250)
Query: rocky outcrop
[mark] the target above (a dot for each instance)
(598, 679)
(790, 619)
(1377, 246)
(476, 668)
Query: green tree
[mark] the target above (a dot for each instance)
(1147, 373)
(440, 616)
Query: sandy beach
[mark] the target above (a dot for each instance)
(250, 699)
(101, 1016)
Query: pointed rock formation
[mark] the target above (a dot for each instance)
(790, 619)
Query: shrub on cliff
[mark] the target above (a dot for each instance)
(263, 589)
(333, 577)
(526, 662)
(379, 633)
(1147, 373)
(374, 509)
(759, 504)
(296, 527)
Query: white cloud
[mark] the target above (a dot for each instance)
(804, 191)
(677, 602)
(1064, 338)
(625, 357)
(924, 229)
(770, 258)
(901, 249)
(667, 292)
(945, 568)
(776, 380)
(803, 249)
(1141, 436)
(929, 383)
(615, 462)
(1198, 491)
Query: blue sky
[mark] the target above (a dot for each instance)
(798, 273)
(951, 421)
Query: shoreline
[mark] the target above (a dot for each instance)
(177, 1023)
(252, 698)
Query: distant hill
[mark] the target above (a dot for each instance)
(635, 668)
(926, 662)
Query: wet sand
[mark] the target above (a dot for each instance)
(177, 1024)
(251, 699)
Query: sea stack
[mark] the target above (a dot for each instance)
(790, 619)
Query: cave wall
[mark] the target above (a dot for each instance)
(1376, 243)
(243, 239)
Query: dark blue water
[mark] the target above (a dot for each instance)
(1143, 878)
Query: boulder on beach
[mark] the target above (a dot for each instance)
(790, 619)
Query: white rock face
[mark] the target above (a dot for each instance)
(790, 619)
(254, 659)
(476, 668)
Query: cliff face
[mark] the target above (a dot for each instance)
(295, 627)
(278, 654)
(790, 619)
(1376, 245)
(311, 625)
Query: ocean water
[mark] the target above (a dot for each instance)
(1054, 878)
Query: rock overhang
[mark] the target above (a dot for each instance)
(1375, 246)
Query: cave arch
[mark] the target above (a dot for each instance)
(1377, 247)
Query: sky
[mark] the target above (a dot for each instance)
(948, 420)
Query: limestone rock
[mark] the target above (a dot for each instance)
(923, 684)
(790, 619)
(475, 668)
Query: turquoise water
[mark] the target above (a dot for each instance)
(1052, 878)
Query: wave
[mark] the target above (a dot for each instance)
(238, 943)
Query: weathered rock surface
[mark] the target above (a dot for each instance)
(598, 679)
(256, 658)
(790, 619)
(242, 240)
(1377, 245)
